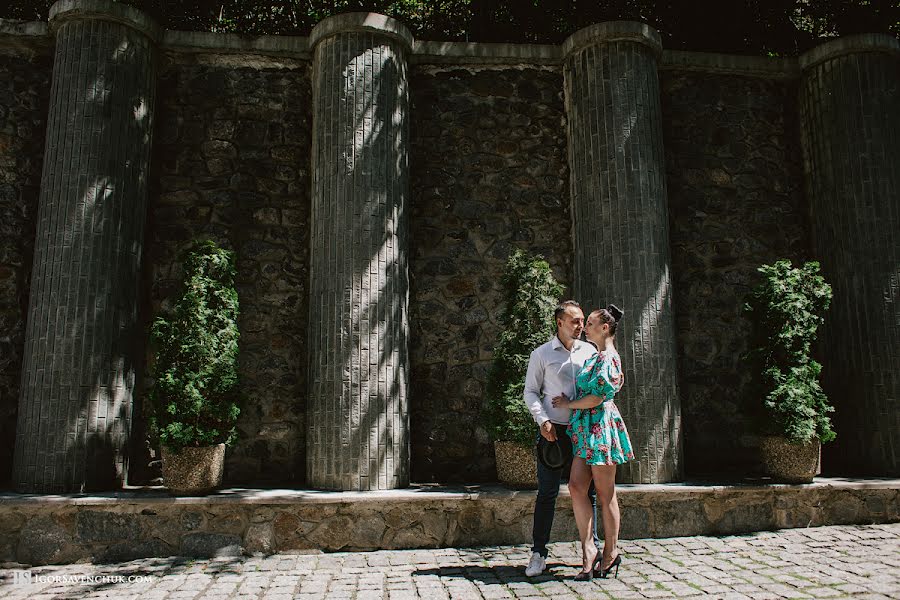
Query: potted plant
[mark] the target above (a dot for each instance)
(194, 396)
(785, 312)
(530, 294)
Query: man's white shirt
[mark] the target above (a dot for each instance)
(552, 371)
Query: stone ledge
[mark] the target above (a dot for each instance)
(148, 522)
(730, 64)
(851, 44)
(63, 11)
(268, 45)
(365, 22)
(470, 53)
(24, 38)
(28, 28)
(613, 31)
(484, 54)
(420, 492)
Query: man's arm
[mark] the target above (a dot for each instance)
(589, 401)
(533, 395)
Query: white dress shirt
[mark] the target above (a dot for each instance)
(552, 371)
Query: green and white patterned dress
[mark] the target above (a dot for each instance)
(598, 434)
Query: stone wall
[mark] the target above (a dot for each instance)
(850, 119)
(735, 202)
(488, 174)
(58, 530)
(232, 162)
(25, 75)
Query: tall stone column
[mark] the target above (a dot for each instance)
(850, 119)
(621, 227)
(83, 339)
(359, 290)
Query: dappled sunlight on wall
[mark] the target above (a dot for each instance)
(84, 340)
(358, 358)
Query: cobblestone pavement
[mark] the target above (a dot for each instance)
(819, 562)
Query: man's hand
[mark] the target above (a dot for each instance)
(548, 431)
(561, 401)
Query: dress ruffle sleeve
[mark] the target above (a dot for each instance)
(604, 378)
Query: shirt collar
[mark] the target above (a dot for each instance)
(558, 344)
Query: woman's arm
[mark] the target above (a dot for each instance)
(589, 401)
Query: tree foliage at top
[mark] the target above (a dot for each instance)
(778, 27)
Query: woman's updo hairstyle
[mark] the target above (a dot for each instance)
(611, 315)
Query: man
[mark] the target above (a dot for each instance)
(552, 369)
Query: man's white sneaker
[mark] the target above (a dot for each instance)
(536, 565)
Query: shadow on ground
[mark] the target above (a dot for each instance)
(82, 579)
(501, 574)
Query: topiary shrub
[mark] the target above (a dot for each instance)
(194, 398)
(530, 294)
(785, 312)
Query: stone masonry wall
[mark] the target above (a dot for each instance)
(850, 119)
(735, 202)
(36, 531)
(24, 92)
(231, 158)
(488, 173)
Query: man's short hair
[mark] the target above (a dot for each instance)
(562, 306)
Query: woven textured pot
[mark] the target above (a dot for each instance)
(789, 462)
(516, 464)
(193, 471)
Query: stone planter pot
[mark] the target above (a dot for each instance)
(516, 464)
(788, 462)
(193, 471)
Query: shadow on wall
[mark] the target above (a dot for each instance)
(621, 223)
(735, 202)
(87, 270)
(489, 176)
(231, 164)
(375, 209)
(24, 112)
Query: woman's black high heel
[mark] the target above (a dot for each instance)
(585, 576)
(595, 569)
(604, 573)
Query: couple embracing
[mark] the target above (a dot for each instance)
(569, 389)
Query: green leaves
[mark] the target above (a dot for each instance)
(194, 396)
(785, 311)
(530, 294)
(773, 27)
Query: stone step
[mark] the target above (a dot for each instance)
(146, 522)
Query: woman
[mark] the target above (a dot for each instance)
(599, 443)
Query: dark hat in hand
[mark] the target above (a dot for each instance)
(554, 455)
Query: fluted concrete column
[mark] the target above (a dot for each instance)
(358, 361)
(621, 227)
(850, 117)
(83, 338)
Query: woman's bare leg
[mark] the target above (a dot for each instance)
(605, 484)
(579, 482)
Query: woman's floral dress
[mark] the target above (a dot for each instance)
(598, 434)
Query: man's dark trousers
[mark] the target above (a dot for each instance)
(545, 505)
